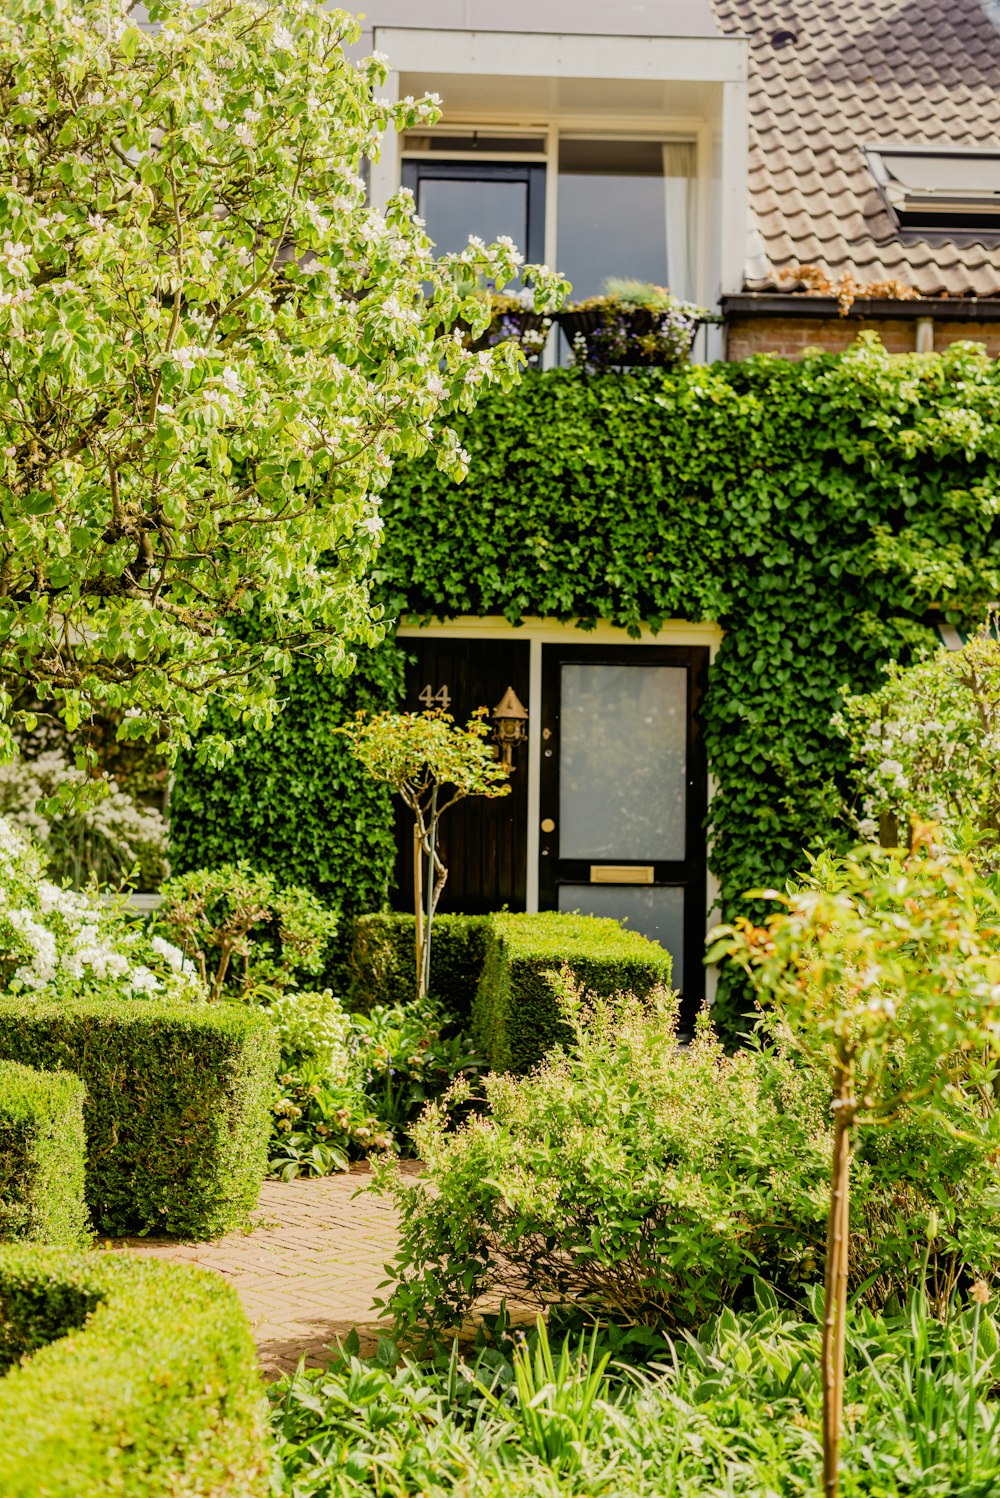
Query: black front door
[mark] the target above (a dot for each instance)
(623, 794)
(483, 841)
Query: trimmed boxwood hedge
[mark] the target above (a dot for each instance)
(383, 963)
(515, 1013)
(42, 1154)
(177, 1111)
(137, 1378)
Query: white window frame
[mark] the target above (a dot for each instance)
(556, 128)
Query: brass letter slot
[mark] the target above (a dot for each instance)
(621, 873)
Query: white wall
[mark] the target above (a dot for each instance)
(586, 17)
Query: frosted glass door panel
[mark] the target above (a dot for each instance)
(654, 912)
(622, 762)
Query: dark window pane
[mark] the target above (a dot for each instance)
(454, 208)
(612, 213)
(449, 144)
(656, 912)
(639, 158)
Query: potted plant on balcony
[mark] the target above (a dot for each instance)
(631, 322)
(514, 317)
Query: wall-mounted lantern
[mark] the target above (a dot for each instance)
(511, 719)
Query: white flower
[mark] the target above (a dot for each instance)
(231, 380)
(283, 39)
(172, 955)
(187, 356)
(244, 135)
(15, 257)
(144, 980)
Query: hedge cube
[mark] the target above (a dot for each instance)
(383, 960)
(125, 1376)
(42, 1154)
(515, 1014)
(177, 1111)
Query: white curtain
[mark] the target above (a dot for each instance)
(679, 162)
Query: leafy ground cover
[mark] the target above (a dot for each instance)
(733, 1408)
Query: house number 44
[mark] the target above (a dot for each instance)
(441, 698)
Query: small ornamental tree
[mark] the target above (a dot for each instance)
(212, 350)
(431, 763)
(886, 970)
(926, 745)
(246, 934)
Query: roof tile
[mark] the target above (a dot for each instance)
(861, 71)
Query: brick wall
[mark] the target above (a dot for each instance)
(791, 336)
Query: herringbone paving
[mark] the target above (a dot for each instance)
(309, 1270)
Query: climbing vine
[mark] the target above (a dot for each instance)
(821, 512)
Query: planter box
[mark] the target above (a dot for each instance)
(614, 336)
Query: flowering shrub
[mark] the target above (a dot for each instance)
(60, 943)
(234, 348)
(926, 746)
(106, 838)
(652, 1181)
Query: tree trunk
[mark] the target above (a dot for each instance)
(432, 822)
(418, 905)
(837, 1252)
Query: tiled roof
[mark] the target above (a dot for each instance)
(925, 72)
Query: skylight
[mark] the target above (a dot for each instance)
(930, 187)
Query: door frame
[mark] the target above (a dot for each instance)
(689, 872)
(546, 631)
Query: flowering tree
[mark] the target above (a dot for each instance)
(886, 971)
(418, 754)
(211, 351)
(926, 745)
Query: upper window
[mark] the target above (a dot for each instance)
(623, 211)
(488, 198)
(928, 188)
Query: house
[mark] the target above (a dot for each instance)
(808, 168)
(720, 146)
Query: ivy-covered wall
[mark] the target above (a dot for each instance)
(817, 510)
(293, 802)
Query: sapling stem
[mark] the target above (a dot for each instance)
(837, 1255)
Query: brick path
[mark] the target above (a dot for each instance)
(310, 1268)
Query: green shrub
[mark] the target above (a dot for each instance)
(294, 801)
(244, 933)
(349, 1083)
(516, 1011)
(653, 1181)
(154, 1393)
(177, 1104)
(383, 969)
(42, 1154)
